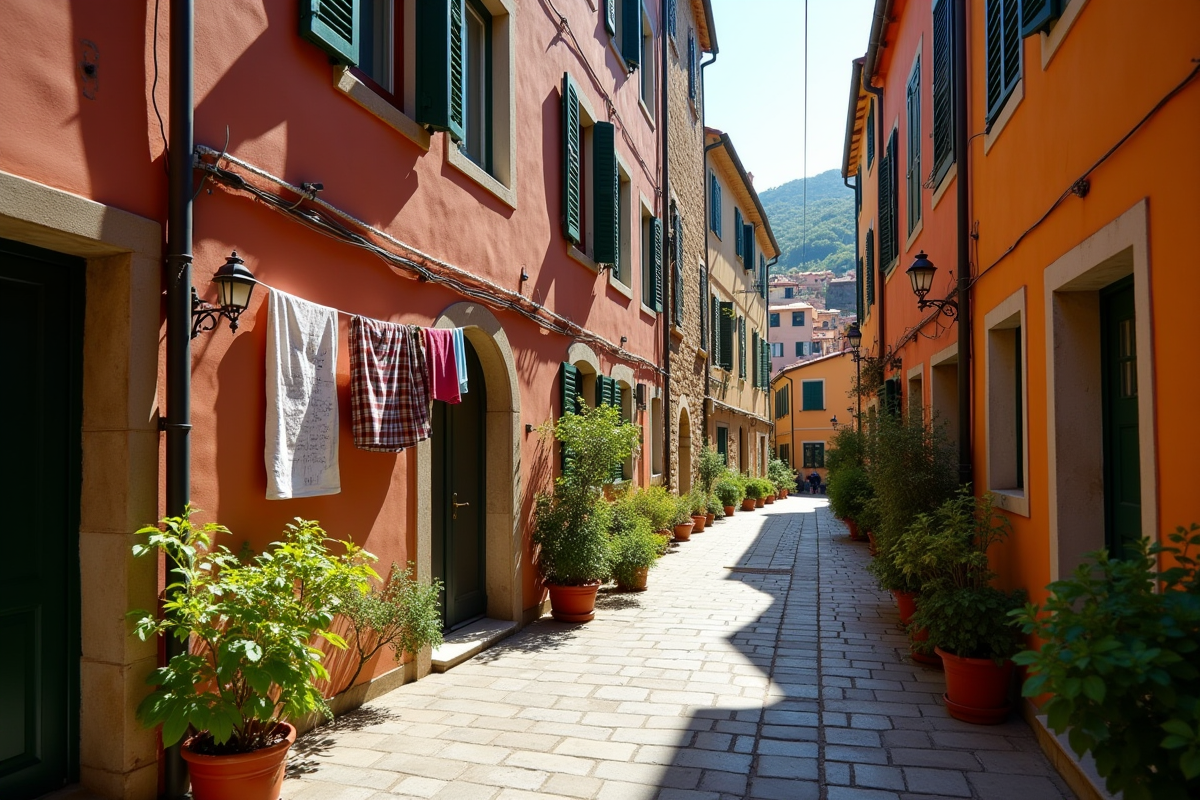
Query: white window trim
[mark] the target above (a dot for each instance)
(503, 184)
(1006, 113)
(1008, 314)
(348, 84)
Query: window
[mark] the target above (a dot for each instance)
(782, 402)
(1006, 379)
(677, 266)
(648, 68)
(739, 240)
(651, 260)
(785, 454)
(816, 349)
(623, 21)
(777, 349)
(870, 133)
(656, 436)
(723, 442)
(788, 293)
(888, 246)
(703, 307)
(774, 319)
(381, 47)
(672, 17)
(797, 319)
(1038, 16)
(623, 268)
(799, 348)
(813, 395)
(869, 267)
(1003, 53)
(693, 78)
(943, 88)
(478, 85)
(814, 455)
(914, 147)
(741, 326)
(714, 204)
(726, 331)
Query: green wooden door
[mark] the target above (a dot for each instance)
(459, 495)
(1122, 473)
(41, 343)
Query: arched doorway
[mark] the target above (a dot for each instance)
(459, 489)
(685, 451)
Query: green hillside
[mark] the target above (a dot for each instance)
(830, 224)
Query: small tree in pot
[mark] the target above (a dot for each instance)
(635, 546)
(729, 492)
(571, 525)
(253, 662)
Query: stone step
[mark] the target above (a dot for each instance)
(469, 641)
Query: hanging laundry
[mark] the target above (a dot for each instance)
(302, 411)
(460, 359)
(389, 390)
(440, 361)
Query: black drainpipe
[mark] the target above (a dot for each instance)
(179, 313)
(707, 263)
(961, 144)
(667, 249)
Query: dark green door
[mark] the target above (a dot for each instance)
(1122, 473)
(459, 497)
(41, 342)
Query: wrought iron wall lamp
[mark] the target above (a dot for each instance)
(235, 284)
(921, 275)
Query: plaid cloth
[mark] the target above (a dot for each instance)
(389, 389)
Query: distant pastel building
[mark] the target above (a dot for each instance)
(790, 326)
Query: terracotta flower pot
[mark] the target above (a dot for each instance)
(759, 503)
(729, 511)
(871, 539)
(769, 499)
(783, 493)
(699, 521)
(640, 576)
(976, 688)
(573, 603)
(931, 659)
(683, 531)
(748, 504)
(906, 602)
(709, 519)
(257, 775)
(854, 533)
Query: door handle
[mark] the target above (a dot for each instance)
(456, 505)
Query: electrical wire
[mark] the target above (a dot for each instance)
(804, 157)
(327, 220)
(154, 96)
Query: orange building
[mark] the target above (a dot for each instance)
(811, 400)
(1080, 208)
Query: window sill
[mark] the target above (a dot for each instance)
(619, 285)
(648, 311)
(701, 353)
(676, 333)
(944, 186)
(646, 113)
(912, 237)
(577, 254)
(1053, 40)
(621, 62)
(456, 158)
(1012, 500)
(366, 97)
(1006, 113)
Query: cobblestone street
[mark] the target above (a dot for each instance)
(762, 662)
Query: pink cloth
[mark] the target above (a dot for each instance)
(442, 366)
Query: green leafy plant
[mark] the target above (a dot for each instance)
(697, 502)
(766, 487)
(401, 614)
(781, 475)
(570, 525)
(683, 511)
(849, 489)
(252, 626)
(728, 490)
(635, 546)
(712, 466)
(655, 504)
(1120, 656)
(944, 554)
(715, 507)
(753, 488)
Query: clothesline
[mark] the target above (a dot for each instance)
(335, 308)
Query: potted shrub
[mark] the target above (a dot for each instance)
(965, 616)
(657, 505)
(729, 493)
(635, 547)
(1119, 658)
(751, 493)
(711, 468)
(781, 476)
(570, 525)
(849, 489)
(699, 508)
(682, 521)
(714, 510)
(253, 661)
(766, 491)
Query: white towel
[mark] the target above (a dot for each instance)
(460, 359)
(302, 411)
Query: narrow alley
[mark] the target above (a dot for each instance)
(761, 663)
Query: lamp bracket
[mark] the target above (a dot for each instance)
(947, 307)
(205, 316)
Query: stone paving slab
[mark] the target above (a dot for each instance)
(761, 663)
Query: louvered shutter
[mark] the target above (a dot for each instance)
(656, 261)
(717, 205)
(859, 282)
(814, 395)
(677, 275)
(1012, 42)
(943, 88)
(604, 391)
(913, 182)
(672, 16)
(748, 244)
(869, 268)
(631, 32)
(762, 276)
(742, 347)
(715, 331)
(739, 233)
(766, 369)
(1003, 52)
(726, 320)
(572, 149)
(703, 307)
(606, 190)
(570, 385)
(1039, 15)
(332, 25)
(723, 443)
(885, 208)
(691, 56)
(441, 54)
(870, 132)
(610, 16)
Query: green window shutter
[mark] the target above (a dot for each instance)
(943, 88)
(677, 275)
(605, 388)
(691, 56)
(726, 318)
(610, 16)
(441, 54)
(763, 278)
(723, 443)
(715, 331)
(748, 244)
(859, 280)
(814, 395)
(572, 149)
(332, 25)
(570, 385)
(914, 180)
(885, 208)
(714, 204)
(703, 307)
(672, 18)
(742, 347)
(1003, 51)
(717, 188)
(631, 32)
(738, 232)
(766, 370)
(656, 263)
(1039, 15)
(606, 190)
(869, 268)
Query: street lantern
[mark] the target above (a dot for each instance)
(834, 422)
(235, 285)
(920, 274)
(854, 336)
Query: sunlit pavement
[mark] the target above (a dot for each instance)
(762, 662)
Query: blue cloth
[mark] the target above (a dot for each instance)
(460, 359)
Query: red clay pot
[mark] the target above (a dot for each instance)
(853, 528)
(769, 499)
(640, 576)
(709, 519)
(699, 521)
(748, 504)
(683, 532)
(976, 688)
(783, 493)
(729, 511)
(257, 775)
(906, 602)
(573, 603)
(760, 502)
(871, 539)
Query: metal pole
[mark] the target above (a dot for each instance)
(961, 145)
(179, 313)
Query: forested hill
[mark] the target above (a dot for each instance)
(830, 224)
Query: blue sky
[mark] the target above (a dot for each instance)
(755, 90)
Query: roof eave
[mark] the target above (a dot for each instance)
(856, 70)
